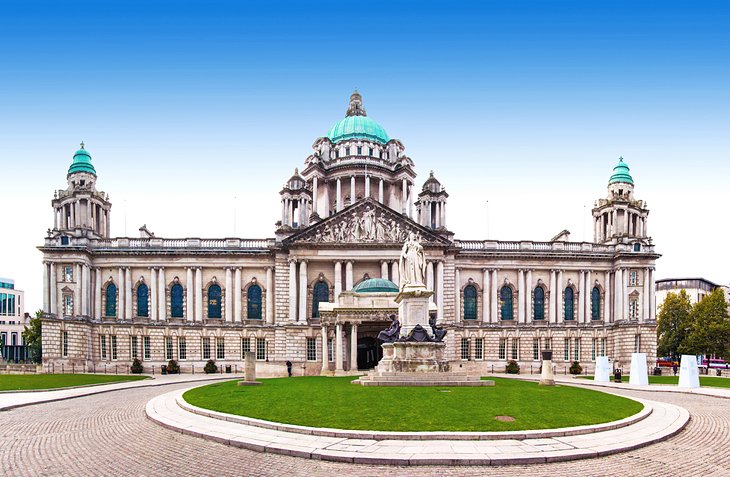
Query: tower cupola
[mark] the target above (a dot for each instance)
(619, 216)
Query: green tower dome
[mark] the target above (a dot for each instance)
(357, 125)
(82, 162)
(621, 173)
(376, 285)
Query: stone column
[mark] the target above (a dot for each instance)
(97, 293)
(338, 279)
(237, 311)
(77, 289)
(429, 278)
(607, 296)
(443, 214)
(381, 196)
(85, 290)
(325, 360)
(348, 275)
(120, 293)
(619, 310)
(582, 297)
(410, 201)
(199, 294)
(338, 348)
(652, 295)
(339, 194)
(645, 297)
(624, 289)
(292, 290)
(53, 291)
(440, 288)
(161, 294)
(457, 296)
(589, 295)
(384, 269)
(315, 198)
(528, 296)
(229, 295)
(367, 186)
(153, 294)
(352, 190)
(283, 212)
(395, 278)
(560, 298)
(46, 288)
(404, 196)
(128, 293)
(353, 347)
(486, 287)
(551, 300)
(269, 296)
(190, 293)
(303, 291)
(493, 301)
(520, 296)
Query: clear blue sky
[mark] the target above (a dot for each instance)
(186, 105)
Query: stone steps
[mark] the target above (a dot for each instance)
(421, 379)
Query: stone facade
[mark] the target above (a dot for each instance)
(289, 297)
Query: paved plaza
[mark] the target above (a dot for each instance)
(109, 434)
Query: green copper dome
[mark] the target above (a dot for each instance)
(82, 162)
(357, 127)
(621, 173)
(376, 285)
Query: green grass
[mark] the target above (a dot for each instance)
(336, 403)
(22, 382)
(709, 381)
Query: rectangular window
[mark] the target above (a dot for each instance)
(603, 346)
(359, 150)
(548, 343)
(245, 347)
(68, 305)
(146, 344)
(479, 348)
(103, 346)
(220, 348)
(633, 309)
(133, 347)
(576, 349)
(566, 349)
(464, 348)
(594, 348)
(637, 343)
(182, 348)
(260, 348)
(347, 151)
(502, 348)
(68, 274)
(114, 346)
(330, 353)
(370, 151)
(515, 348)
(633, 278)
(536, 349)
(64, 352)
(168, 347)
(206, 348)
(311, 349)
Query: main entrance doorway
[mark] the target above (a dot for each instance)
(369, 352)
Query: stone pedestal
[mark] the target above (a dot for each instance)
(402, 357)
(249, 370)
(639, 375)
(546, 374)
(689, 375)
(413, 307)
(602, 373)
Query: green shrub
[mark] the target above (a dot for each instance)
(575, 368)
(136, 367)
(513, 367)
(210, 367)
(172, 367)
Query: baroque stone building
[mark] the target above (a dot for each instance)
(319, 291)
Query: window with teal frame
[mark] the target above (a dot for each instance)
(214, 301)
(539, 303)
(254, 302)
(320, 294)
(505, 298)
(143, 300)
(569, 304)
(176, 301)
(470, 302)
(596, 304)
(111, 300)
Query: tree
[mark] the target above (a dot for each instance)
(674, 324)
(710, 326)
(32, 337)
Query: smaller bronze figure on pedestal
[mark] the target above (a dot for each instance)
(392, 334)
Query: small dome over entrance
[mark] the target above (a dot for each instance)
(376, 285)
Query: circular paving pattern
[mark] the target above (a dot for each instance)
(109, 434)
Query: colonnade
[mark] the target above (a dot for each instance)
(611, 223)
(82, 213)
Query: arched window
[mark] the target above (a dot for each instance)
(254, 302)
(143, 300)
(505, 297)
(596, 304)
(111, 300)
(470, 303)
(176, 301)
(320, 293)
(214, 301)
(539, 303)
(569, 304)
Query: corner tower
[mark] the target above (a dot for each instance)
(620, 217)
(431, 205)
(81, 210)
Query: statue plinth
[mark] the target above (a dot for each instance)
(409, 357)
(413, 307)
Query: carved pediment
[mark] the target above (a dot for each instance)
(367, 222)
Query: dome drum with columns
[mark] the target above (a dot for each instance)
(320, 290)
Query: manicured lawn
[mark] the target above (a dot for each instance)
(19, 382)
(709, 381)
(336, 403)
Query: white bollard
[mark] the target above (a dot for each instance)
(689, 375)
(602, 373)
(639, 375)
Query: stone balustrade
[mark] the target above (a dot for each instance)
(160, 243)
(525, 245)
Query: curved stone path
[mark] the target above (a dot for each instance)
(109, 434)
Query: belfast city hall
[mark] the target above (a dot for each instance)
(318, 291)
